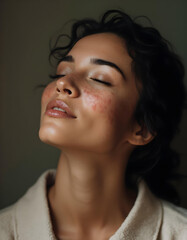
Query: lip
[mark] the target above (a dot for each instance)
(56, 113)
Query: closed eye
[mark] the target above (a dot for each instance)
(103, 82)
(57, 76)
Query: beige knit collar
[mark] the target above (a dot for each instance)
(33, 219)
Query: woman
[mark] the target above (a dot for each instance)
(113, 108)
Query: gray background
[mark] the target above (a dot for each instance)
(25, 29)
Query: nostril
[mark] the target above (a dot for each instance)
(65, 90)
(68, 91)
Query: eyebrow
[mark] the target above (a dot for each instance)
(96, 61)
(110, 64)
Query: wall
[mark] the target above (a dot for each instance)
(26, 28)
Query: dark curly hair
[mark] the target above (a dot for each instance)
(162, 98)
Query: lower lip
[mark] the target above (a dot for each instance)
(57, 114)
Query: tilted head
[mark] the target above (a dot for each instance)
(159, 77)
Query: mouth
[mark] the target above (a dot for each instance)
(59, 109)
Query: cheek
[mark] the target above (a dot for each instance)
(101, 103)
(47, 93)
(116, 111)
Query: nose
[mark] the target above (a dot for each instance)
(66, 86)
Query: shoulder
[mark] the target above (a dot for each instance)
(174, 222)
(7, 223)
(179, 214)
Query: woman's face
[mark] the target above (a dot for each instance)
(97, 90)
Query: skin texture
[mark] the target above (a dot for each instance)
(89, 199)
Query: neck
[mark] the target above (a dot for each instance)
(89, 192)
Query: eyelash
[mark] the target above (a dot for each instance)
(97, 80)
(57, 76)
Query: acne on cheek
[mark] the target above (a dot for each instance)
(100, 103)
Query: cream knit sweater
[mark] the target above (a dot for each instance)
(149, 219)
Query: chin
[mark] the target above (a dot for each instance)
(49, 136)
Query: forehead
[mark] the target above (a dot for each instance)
(108, 46)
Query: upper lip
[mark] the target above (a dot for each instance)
(60, 104)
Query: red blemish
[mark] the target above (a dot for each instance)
(94, 107)
(92, 98)
(100, 102)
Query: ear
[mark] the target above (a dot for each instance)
(140, 135)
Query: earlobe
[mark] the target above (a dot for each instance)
(140, 136)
